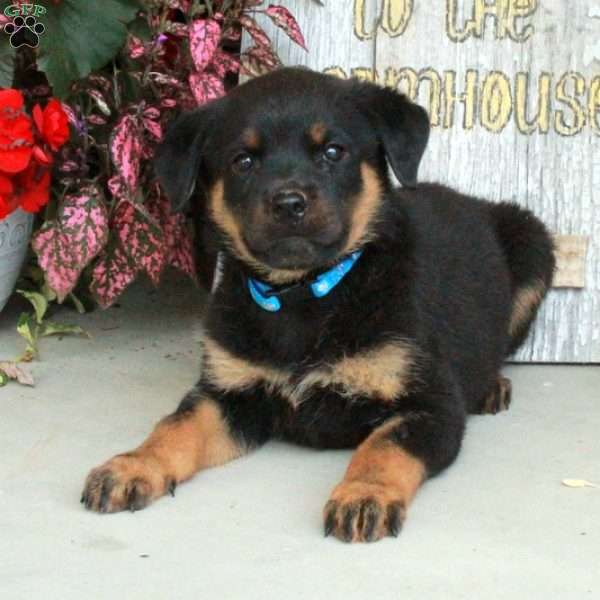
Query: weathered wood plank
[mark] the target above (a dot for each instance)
(514, 100)
(570, 254)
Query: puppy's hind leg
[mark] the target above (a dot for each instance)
(498, 399)
(528, 248)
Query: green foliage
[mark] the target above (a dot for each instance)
(33, 327)
(80, 36)
(7, 61)
(39, 303)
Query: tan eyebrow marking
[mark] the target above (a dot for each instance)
(317, 133)
(251, 138)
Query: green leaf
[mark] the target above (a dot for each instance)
(80, 36)
(129, 85)
(28, 329)
(38, 301)
(48, 292)
(79, 306)
(50, 328)
(7, 61)
(3, 378)
(140, 28)
(34, 273)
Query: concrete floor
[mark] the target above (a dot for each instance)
(498, 524)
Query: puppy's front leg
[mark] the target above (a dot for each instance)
(386, 471)
(202, 433)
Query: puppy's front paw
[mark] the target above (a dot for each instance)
(127, 481)
(359, 511)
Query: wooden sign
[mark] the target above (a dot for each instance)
(512, 88)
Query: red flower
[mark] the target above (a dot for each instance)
(28, 190)
(7, 200)
(33, 187)
(52, 123)
(16, 137)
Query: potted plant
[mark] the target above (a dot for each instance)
(15, 231)
(140, 64)
(27, 147)
(87, 130)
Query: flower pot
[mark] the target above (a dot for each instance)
(15, 231)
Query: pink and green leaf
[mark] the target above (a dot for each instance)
(284, 19)
(154, 128)
(135, 47)
(67, 244)
(151, 112)
(179, 251)
(126, 150)
(112, 273)
(223, 63)
(253, 28)
(206, 87)
(141, 238)
(259, 60)
(70, 113)
(204, 37)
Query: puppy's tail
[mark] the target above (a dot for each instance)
(529, 251)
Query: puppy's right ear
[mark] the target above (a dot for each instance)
(178, 158)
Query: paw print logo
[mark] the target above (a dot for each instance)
(24, 31)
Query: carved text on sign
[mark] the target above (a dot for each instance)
(566, 104)
(393, 17)
(507, 16)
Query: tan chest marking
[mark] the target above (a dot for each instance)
(230, 372)
(384, 372)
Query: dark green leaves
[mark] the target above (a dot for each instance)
(80, 36)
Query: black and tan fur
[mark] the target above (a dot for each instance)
(290, 171)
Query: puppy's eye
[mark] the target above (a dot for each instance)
(333, 152)
(243, 162)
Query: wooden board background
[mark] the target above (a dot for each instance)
(514, 100)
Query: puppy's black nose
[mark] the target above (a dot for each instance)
(289, 205)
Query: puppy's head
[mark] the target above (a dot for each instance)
(293, 166)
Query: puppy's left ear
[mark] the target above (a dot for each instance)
(178, 159)
(402, 127)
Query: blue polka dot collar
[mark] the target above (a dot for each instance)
(267, 297)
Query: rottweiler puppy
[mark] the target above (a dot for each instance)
(350, 312)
